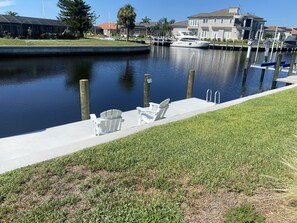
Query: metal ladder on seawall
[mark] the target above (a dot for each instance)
(217, 96)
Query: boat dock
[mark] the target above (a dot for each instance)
(27, 149)
(288, 80)
(282, 68)
(161, 40)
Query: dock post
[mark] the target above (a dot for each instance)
(246, 65)
(293, 58)
(84, 99)
(147, 88)
(191, 76)
(276, 71)
(267, 46)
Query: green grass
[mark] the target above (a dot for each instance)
(244, 213)
(146, 177)
(79, 42)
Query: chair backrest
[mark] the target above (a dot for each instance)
(163, 106)
(110, 121)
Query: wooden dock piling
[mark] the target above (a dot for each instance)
(146, 88)
(84, 99)
(276, 71)
(292, 62)
(191, 76)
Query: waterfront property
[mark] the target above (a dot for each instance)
(116, 81)
(23, 27)
(226, 24)
(107, 29)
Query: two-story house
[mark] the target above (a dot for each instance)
(226, 24)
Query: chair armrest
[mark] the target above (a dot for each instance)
(141, 110)
(154, 106)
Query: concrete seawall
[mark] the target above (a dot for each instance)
(16, 51)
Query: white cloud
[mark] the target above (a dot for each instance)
(6, 3)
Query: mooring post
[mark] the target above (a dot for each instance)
(246, 65)
(292, 62)
(146, 87)
(191, 76)
(276, 71)
(84, 99)
(267, 46)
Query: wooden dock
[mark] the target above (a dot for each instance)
(288, 80)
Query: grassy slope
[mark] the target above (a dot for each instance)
(145, 177)
(80, 42)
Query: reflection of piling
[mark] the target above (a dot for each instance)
(293, 58)
(246, 65)
(263, 72)
(276, 71)
(84, 99)
(191, 76)
(146, 87)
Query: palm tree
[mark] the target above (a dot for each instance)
(145, 20)
(126, 17)
(166, 26)
(12, 13)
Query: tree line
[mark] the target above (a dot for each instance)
(80, 17)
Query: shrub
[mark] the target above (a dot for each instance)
(244, 213)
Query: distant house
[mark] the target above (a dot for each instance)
(19, 26)
(107, 29)
(140, 29)
(226, 24)
(179, 26)
(280, 33)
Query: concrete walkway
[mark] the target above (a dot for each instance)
(23, 150)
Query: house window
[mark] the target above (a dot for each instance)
(222, 21)
(227, 34)
(204, 34)
(205, 20)
(214, 35)
(215, 20)
(231, 21)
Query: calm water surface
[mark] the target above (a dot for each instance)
(37, 93)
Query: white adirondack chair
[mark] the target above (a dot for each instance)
(109, 121)
(152, 113)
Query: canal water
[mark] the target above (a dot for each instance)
(37, 93)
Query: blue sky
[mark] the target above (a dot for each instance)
(281, 13)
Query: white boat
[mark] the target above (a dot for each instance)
(186, 39)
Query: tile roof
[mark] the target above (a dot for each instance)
(180, 24)
(107, 25)
(219, 13)
(222, 13)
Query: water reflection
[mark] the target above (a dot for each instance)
(38, 93)
(77, 71)
(126, 79)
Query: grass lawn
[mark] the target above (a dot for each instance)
(79, 42)
(191, 170)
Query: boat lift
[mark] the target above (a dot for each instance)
(284, 67)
